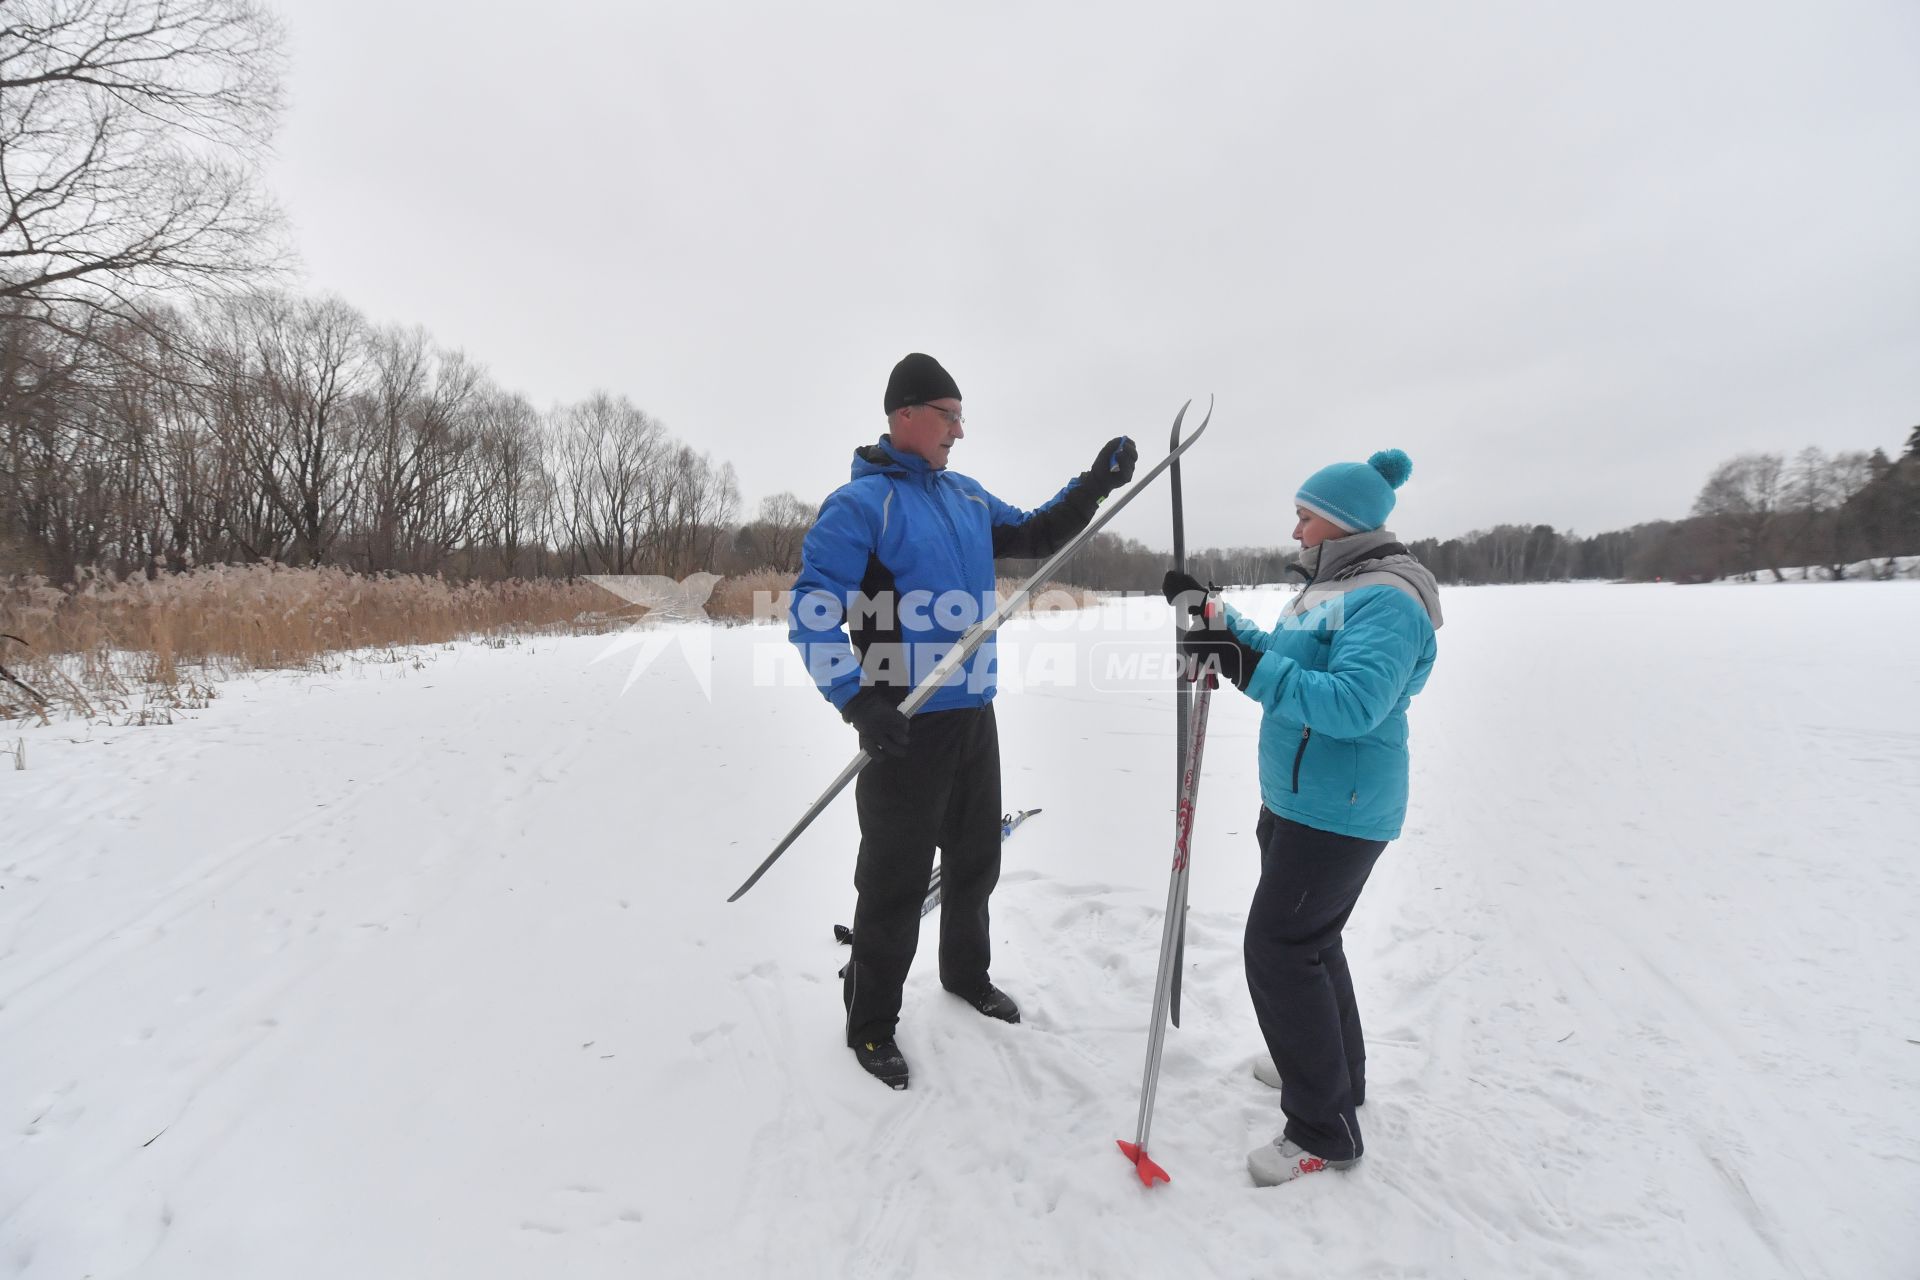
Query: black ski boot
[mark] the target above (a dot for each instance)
(991, 1001)
(883, 1061)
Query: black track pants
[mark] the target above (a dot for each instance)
(1297, 975)
(944, 792)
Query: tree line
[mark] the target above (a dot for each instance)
(1757, 513)
(163, 405)
(269, 426)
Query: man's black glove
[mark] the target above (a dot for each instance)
(883, 730)
(1112, 467)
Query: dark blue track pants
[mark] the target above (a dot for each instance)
(1297, 975)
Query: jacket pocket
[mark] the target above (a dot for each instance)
(1326, 777)
(1300, 754)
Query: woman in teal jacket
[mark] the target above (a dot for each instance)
(1334, 678)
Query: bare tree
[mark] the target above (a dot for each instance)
(131, 134)
(689, 502)
(1848, 473)
(771, 540)
(1743, 496)
(289, 372)
(514, 492)
(1807, 501)
(607, 455)
(1827, 529)
(157, 405)
(420, 421)
(71, 445)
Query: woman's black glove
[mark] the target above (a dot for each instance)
(1112, 467)
(1184, 591)
(1211, 642)
(883, 730)
(1213, 645)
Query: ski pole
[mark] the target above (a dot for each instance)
(1182, 706)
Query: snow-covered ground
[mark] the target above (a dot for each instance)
(428, 972)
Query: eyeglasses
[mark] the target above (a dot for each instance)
(955, 416)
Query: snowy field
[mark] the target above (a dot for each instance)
(427, 971)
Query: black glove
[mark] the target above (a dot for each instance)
(1112, 466)
(1213, 645)
(1183, 591)
(883, 730)
(1211, 641)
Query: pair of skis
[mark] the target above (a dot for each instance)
(1193, 695)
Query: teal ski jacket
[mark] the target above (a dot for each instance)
(1334, 680)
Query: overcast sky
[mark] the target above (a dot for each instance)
(1567, 256)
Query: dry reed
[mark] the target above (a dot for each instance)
(136, 651)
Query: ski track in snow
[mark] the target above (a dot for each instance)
(427, 971)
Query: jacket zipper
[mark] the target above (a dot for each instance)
(1306, 731)
(953, 531)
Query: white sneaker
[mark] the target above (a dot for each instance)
(1283, 1161)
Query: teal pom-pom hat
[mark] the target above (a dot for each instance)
(1357, 496)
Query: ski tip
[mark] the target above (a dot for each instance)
(1143, 1165)
(1176, 443)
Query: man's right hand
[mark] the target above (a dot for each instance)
(1112, 467)
(883, 730)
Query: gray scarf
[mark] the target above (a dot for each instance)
(1371, 559)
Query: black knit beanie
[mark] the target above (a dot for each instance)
(917, 379)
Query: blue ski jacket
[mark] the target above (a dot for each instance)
(899, 563)
(1334, 679)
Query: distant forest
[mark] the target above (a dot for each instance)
(165, 406)
(267, 427)
(1756, 514)
(270, 427)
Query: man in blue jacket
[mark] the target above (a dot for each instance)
(897, 566)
